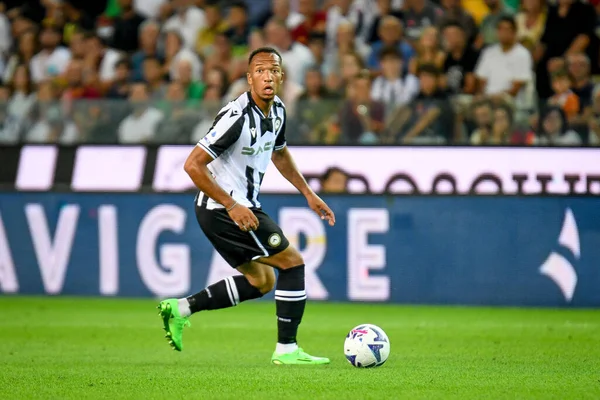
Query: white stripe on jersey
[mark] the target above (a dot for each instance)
(241, 142)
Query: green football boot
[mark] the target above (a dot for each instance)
(173, 322)
(298, 357)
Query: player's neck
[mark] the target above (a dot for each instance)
(264, 106)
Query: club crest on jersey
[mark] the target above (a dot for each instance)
(274, 240)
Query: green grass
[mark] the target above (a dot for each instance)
(68, 348)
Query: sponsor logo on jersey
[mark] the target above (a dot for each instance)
(274, 240)
(277, 124)
(251, 151)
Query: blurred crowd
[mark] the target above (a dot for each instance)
(480, 72)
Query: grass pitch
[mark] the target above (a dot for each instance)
(67, 348)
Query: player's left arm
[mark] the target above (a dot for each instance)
(282, 158)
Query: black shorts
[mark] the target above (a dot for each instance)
(236, 246)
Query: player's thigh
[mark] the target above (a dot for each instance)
(260, 275)
(278, 251)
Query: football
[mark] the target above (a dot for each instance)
(367, 346)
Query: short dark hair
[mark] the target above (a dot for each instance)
(123, 62)
(390, 51)
(239, 4)
(509, 20)
(428, 68)
(332, 170)
(269, 50)
(453, 24)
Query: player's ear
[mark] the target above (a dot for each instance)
(249, 78)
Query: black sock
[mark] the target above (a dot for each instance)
(226, 293)
(290, 299)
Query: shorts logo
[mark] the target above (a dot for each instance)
(274, 240)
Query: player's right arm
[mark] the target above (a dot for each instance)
(225, 131)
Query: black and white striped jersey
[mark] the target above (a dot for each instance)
(241, 142)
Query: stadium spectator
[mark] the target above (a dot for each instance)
(98, 55)
(316, 106)
(148, 8)
(48, 125)
(314, 21)
(193, 88)
(218, 79)
(187, 21)
(180, 117)
(460, 61)
(27, 47)
(126, 28)
(281, 10)
(384, 7)
(428, 118)
(120, 85)
(345, 43)
(149, 33)
(297, 56)
(361, 118)
(53, 59)
(239, 28)
(338, 82)
(316, 45)
(569, 29)
(75, 20)
(504, 69)
(578, 65)
(563, 95)
(334, 180)
(531, 21)
(215, 24)
(289, 93)
(153, 77)
(483, 118)
(77, 45)
(554, 130)
(390, 34)
(139, 126)
(454, 13)
(76, 88)
(343, 12)
(428, 50)
(418, 15)
(488, 32)
(391, 87)
(175, 53)
(17, 108)
(501, 130)
(594, 121)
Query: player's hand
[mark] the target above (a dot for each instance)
(322, 209)
(244, 218)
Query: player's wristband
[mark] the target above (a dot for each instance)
(231, 208)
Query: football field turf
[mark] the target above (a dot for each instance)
(72, 348)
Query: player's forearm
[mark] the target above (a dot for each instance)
(202, 178)
(287, 167)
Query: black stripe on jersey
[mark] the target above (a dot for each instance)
(280, 139)
(229, 137)
(250, 184)
(253, 133)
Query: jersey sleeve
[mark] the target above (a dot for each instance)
(224, 132)
(280, 141)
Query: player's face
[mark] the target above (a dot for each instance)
(265, 75)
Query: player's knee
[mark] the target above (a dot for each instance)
(292, 258)
(264, 282)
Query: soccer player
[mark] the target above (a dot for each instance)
(228, 166)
